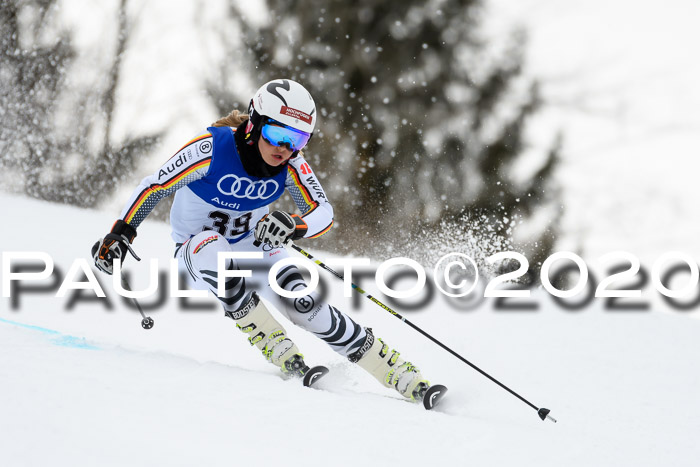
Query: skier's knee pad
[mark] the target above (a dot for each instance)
(266, 333)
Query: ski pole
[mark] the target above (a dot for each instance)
(146, 322)
(542, 412)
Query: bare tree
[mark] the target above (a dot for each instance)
(47, 127)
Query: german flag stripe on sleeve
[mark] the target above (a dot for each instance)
(157, 188)
(314, 205)
(323, 231)
(304, 192)
(191, 142)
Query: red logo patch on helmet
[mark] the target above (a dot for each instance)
(298, 114)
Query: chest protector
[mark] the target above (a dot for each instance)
(228, 185)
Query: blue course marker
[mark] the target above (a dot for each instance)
(57, 338)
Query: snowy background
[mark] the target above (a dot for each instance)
(620, 77)
(88, 386)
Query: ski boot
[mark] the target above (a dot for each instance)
(389, 368)
(271, 339)
(266, 333)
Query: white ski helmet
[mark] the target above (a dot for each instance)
(284, 101)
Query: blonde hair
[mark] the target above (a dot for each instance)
(233, 119)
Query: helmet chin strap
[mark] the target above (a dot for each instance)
(253, 137)
(255, 119)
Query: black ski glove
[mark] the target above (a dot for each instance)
(114, 246)
(278, 227)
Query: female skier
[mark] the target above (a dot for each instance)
(224, 180)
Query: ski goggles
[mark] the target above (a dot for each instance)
(278, 134)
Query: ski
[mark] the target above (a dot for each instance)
(312, 375)
(433, 395)
(295, 367)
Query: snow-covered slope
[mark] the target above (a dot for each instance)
(89, 386)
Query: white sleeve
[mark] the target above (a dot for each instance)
(309, 197)
(187, 165)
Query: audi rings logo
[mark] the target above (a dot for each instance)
(242, 187)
